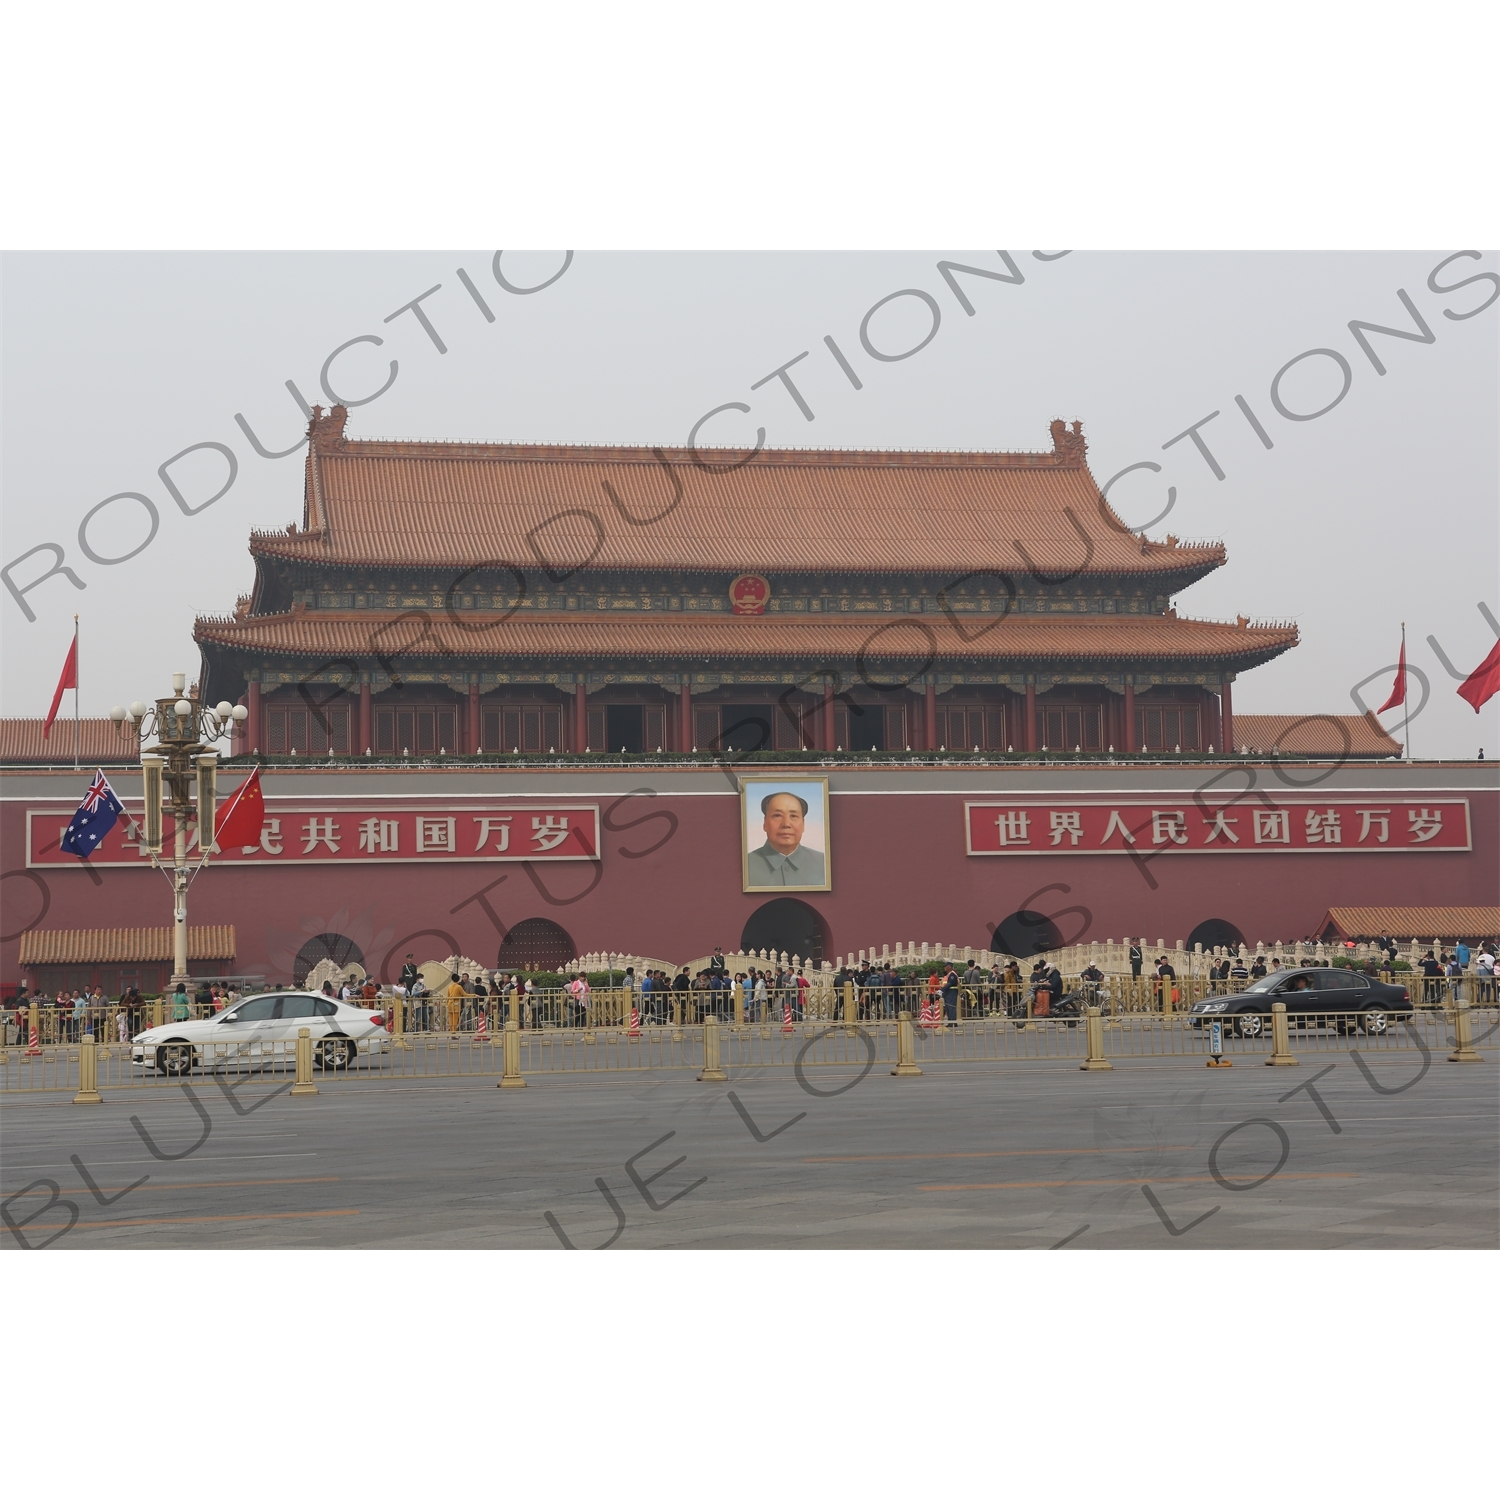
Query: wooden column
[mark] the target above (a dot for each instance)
(366, 720)
(1214, 727)
(825, 719)
(1226, 718)
(685, 716)
(1030, 725)
(475, 727)
(929, 718)
(253, 724)
(580, 719)
(1129, 718)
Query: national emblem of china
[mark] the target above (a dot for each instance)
(748, 594)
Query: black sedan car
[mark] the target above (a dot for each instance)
(1342, 998)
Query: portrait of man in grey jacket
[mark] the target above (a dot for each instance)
(787, 858)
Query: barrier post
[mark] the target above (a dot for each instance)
(906, 1049)
(34, 1034)
(739, 1004)
(1166, 997)
(398, 1023)
(510, 1076)
(1463, 1033)
(712, 1072)
(88, 1072)
(1281, 1042)
(1096, 1061)
(304, 1083)
(851, 1004)
(156, 1012)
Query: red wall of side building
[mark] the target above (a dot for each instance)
(669, 882)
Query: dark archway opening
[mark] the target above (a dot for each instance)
(786, 925)
(1025, 934)
(536, 945)
(1215, 933)
(343, 951)
(866, 728)
(746, 727)
(624, 728)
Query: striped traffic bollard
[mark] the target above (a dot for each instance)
(635, 1022)
(929, 1017)
(33, 1045)
(482, 1032)
(786, 1018)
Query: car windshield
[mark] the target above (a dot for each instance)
(1265, 983)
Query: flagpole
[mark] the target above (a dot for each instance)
(75, 692)
(1405, 699)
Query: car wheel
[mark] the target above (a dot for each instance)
(1249, 1025)
(335, 1053)
(174, 1059)
(1373, 1021)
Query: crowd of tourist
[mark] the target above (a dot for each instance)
(756, 994)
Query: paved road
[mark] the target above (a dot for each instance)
(1010, 1156)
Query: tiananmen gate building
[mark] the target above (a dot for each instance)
(525, 702)
(459, 599)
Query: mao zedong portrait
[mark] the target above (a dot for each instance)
(783, 859)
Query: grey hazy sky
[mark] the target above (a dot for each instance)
(1381, 510)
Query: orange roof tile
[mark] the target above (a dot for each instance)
(21, 743)
(675, 638)
(455, 505)
(1313, 734)
(121, 945)
(1419, 923)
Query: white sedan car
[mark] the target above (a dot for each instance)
(262, 1027)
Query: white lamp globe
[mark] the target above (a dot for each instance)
(117, 714)
(137, 710)
(239, 713)
(223, 708)
(182, 708)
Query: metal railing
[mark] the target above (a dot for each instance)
(809, 1042)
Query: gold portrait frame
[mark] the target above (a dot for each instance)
(811, 789)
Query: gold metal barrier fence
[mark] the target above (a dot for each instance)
(809, 1043)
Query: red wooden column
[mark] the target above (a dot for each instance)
(685, 717)
(1129, 717)
(1214, 726)
(825, 719)
(1226, 719)
(475, 737)
(366, 720)
(256, 731)
(929, 718)
(580, 719)
(1030, 725)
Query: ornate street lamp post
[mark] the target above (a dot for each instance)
(182, 759)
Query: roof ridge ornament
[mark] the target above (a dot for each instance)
(1069, 446)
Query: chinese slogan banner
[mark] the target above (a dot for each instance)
(306, 833)
(1251, 826)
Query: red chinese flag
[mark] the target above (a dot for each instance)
(69, 679)
(241, 819)
(1398, 688)
(1484, 681)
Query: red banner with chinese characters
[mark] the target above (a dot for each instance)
(1189, 825)
(373, 833)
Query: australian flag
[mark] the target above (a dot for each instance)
(97, 814)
